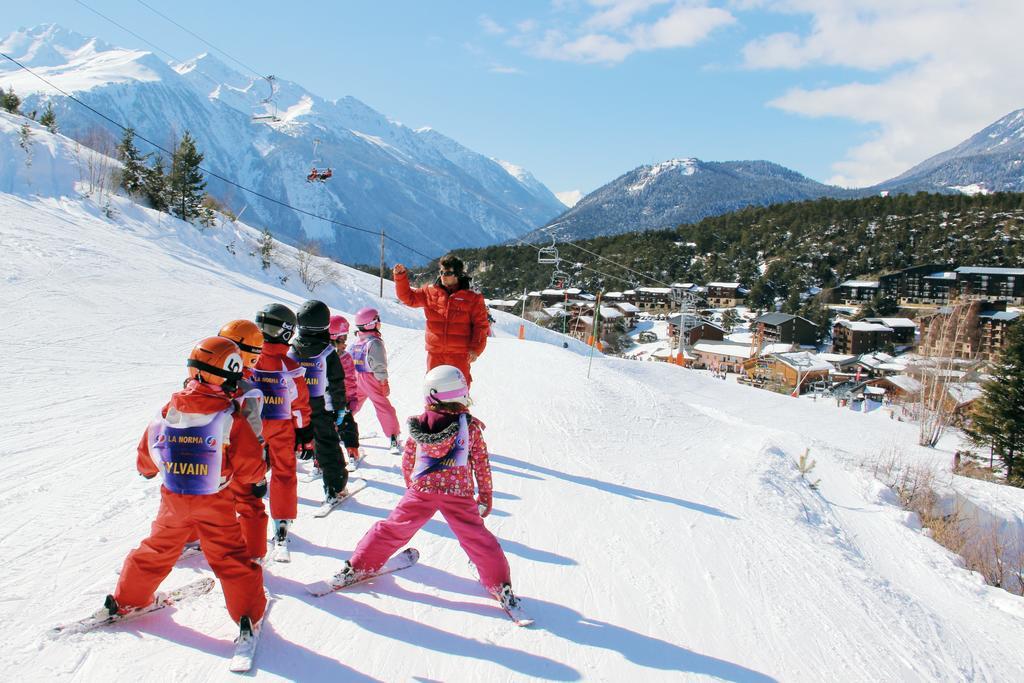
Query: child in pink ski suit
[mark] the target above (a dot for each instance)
(443, 455)
(371, 364)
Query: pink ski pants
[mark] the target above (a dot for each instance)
(369, 388)
(414, 510)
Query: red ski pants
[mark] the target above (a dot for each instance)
(280, 436)
(213, 517)
(459, 360)
(252, 519)
(414, 510)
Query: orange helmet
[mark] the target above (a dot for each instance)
(247, 336)
(216, 360)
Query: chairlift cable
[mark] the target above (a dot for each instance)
(603, 258)
(213, 174)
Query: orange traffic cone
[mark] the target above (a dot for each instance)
(522, 331)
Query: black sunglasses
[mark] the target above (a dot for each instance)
(448, 272)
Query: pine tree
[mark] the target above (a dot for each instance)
(9, 101)
(266, 244)
(49, 118)
(133, 171)
(155, 185)
(996, 419)
(187, 183)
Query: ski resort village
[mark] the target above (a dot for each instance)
(298, 392)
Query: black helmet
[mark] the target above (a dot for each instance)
(276, 322)
(314, 316)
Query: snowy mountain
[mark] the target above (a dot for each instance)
(655, 520)
(420, 186)
(681, 191)
(992, 160)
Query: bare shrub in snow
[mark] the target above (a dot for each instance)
(98, 173)
(313, 270)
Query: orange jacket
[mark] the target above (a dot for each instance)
(456, 321)
(243, 455)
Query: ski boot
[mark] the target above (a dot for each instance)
(353, 454)
(345, 576)
(395, 449)
(304, 451)
(246, 630)
(506, 597)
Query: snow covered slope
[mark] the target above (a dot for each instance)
(420, 186)
(654, 518)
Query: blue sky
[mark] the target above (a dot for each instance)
(582, 91)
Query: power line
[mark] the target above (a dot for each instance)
(213, 174)
(201, 39)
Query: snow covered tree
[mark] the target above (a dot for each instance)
(155, 187)
(49, 118)
(9, 101)
(266, 243)
(25, 142)
(996, 419)
(186, 181)
(729, 319)
(133, 170)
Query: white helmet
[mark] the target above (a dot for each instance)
(446, 384)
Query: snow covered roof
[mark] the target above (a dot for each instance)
(609, 313)
(803, 361)
(626, 307)
(905, 382)
(964, 393)
(1008, 316)
(613, 295)
(860, 284)
(836, 357)
(943, 275)
(655, 290)
(861, 326)
(892, 322)
(555, 312)
(983, 270)
(774, 318)
(722, 348)
(724, 285)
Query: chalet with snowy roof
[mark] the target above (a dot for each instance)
(880, 364)
(628, 310)
(507, 305)
(993, 284)
(724, 294)
(797, 370)
(697, 328)
(785, 329)
(904, 330)
(724, 355)
(652, 298)
(856, 292)
(899, 388)
(857, 336)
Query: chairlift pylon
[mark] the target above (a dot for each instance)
(268, 101)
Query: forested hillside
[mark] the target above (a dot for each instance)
(780, 250)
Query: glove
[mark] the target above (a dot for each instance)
(341, 414)
(484, 502)
(399, 269)
(472, 356)
(259, 490)
(303, 435)
(385, 388)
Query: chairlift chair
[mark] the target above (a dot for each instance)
(268, 102)
(559, 280)
(549, 254)
(315, 173)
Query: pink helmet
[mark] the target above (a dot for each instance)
(367, 319)
(338, 326)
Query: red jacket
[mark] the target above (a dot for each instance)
(243, 455)
(456, 321)
(274, 357)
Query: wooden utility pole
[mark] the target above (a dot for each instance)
(382, 262)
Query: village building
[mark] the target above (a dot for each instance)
(726, 356)
(784, 328)
(904, 330)
(856, 292)
(651, 298)
(985, 338)
(797, 370)
(629, 312)
(697, 328)
(899, 388)
(992, 284)
(857, 336)
(724, 294)
(927, 284)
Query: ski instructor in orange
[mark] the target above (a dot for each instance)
(457, 323)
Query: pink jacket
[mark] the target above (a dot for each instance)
(436, 433)
(350, 378)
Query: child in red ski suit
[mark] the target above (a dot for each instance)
(286, 413)
(200, 445)
(371, 364)
(444, 453)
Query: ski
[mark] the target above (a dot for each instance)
(354, 486)
(353, 463)
(103, 618)
(313, 474)
(245, 644)
(402, 560)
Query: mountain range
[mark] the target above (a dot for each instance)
(423, 188)
(683, 191)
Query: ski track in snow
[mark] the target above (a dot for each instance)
(655, 519)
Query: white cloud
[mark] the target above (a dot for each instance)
(502, 69)
(619, 28)
(491, 26)
(570, 197)
(940, 71)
